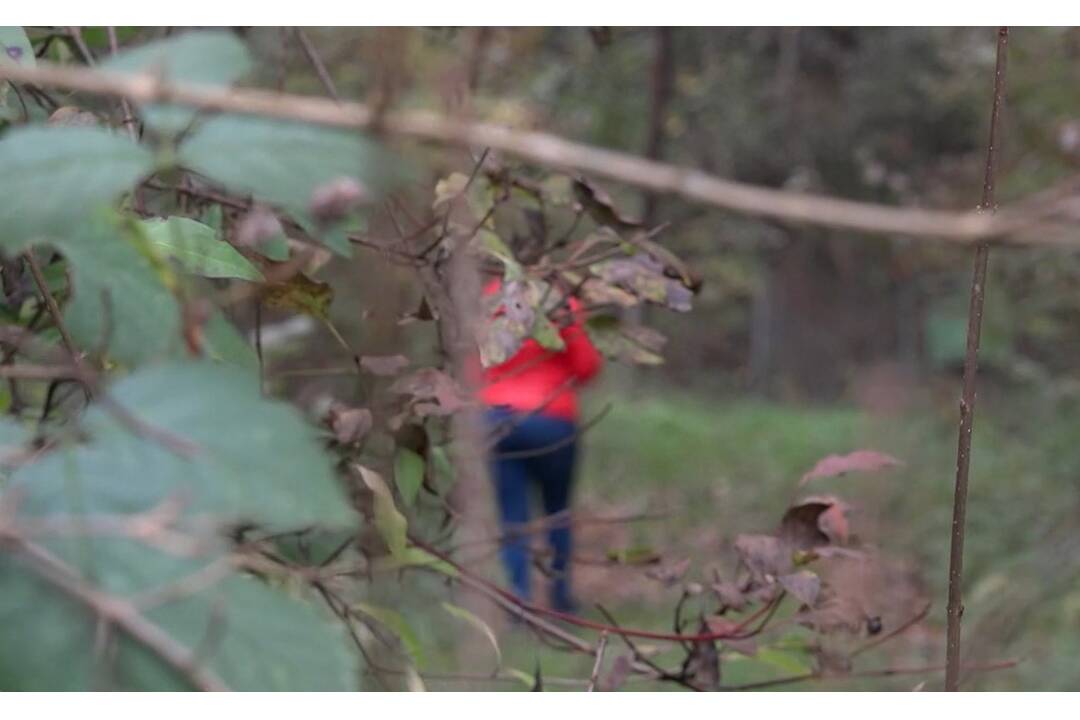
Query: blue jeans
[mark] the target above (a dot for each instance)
(534, 452)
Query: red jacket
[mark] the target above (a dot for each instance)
(538, 379)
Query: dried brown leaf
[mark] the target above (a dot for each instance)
(858, 461)
(803, 585)
(384, 365)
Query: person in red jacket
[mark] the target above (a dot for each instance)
(532, 410)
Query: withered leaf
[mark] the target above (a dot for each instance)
(765, 556)
(332, 201)
(301, 294)
(831, 662)
(837, 613)
(815, 521)
(720, 625)
(423, 313)
(600, 206)
(633, 345)
(857, 461)
(703, 662)
(431, 384)
(349, 424)
(449, 188)
(669, 574)
(616, 677)
(743, 646)
(69, 115)
(729, 595)
(644, 276)
(597, 292)
(803, 585)
(384, 365)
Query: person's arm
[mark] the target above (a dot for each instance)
(584, 360)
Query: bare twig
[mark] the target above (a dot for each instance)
(129, 118)
(882, 672)
(317, 63)
(76, 35)
(600, 647)
(40, 372)
(955, 608)
(549, 150)
(640, 657)
(54, 309)
(899, 630)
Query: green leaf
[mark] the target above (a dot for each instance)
(795, 663)
(198, 249)
(494, 246)
(414, 557)
(635, 345)
(547, 334)
(98, 37)
(53, 178)
(462, 614)
(281, 162)
(397, 624)
(210, 58)
(119, 300)
(15, 48)
(390, 523)
(12, 434)
(261, 640)
(253, 459)
(223, 342)
(408, 474)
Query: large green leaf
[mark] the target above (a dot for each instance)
(119, 300)
(53, 178)
(12, 435)
(252, 459)
(281, 162)
(197, 248)
(248, 635)
(211, 58)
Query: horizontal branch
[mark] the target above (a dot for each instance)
(544, 149)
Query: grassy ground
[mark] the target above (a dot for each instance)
(712, 468)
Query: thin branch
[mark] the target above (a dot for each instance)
(76, 35)
(955, 608)
(317, 63)
(129, 118)
(544, 149)
(640, 657)
(882, 672)
(40, 372)
(899, 630)
(54, 309)
(517, 605)
(600, 647)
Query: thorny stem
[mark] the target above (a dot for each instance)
(955, 608)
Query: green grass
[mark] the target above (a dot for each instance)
(715, 467)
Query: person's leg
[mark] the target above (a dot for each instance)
(512, 494)
(554, 470)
